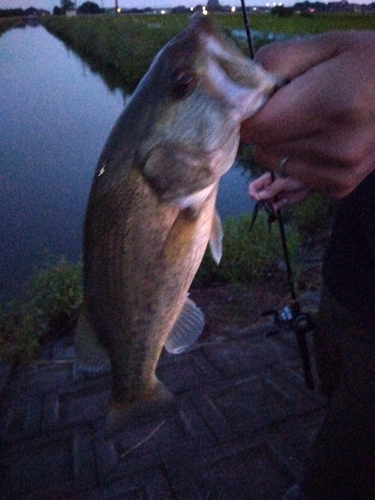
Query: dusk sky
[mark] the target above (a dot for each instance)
(49, 4)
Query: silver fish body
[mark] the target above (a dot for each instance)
(151, 210)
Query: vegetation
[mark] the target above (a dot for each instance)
(50, 308)
(253, 255)
(7, 23)
(54, 294)
(300, 25)
(249, 255)
(121, 48)
(89, 8)
(124, 46)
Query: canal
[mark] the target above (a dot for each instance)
(55, 117)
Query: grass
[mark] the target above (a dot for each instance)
(300, 25)
(253, 255)
(8, 23)
(50, 307)
(122, 48)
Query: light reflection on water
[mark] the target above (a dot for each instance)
(55, 117)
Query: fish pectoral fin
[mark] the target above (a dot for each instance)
(186, 330)
(216, 238)
(90, 356)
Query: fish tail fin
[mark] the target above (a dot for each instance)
(91, 358)
(160, 401)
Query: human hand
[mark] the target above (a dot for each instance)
(280, 192)
(323, 120)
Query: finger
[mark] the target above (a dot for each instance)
(310, 171)
(344, 144)
(272, 190)
(270, 157)
(259, 185)
(290, 198)
(280, 203)
(311, 66)
(315, 68)
(284, 118)
(316, 173)
(291, 58)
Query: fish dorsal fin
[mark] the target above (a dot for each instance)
(216, 238)
(187, 328)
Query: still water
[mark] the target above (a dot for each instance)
(55, 116)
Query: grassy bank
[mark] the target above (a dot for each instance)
(7, 23)
(122, 48)
(54, 294)
(300, 25)
(49, 309)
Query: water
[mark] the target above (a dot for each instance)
(55, 117)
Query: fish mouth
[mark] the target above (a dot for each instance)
(280, 82)
(239, 83)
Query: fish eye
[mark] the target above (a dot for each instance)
(183, 83)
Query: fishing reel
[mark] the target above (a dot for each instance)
(293, 318)
(291, 315)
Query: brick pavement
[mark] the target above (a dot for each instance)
(242, 424)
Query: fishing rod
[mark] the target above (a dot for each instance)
(291, 315)
(247, 29)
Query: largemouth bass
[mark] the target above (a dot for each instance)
(151, 209)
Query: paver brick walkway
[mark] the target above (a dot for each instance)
(242, 424)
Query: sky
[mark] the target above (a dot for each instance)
(140, 4)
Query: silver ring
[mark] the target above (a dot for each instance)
(281, 168)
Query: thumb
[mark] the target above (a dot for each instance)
(291, 58)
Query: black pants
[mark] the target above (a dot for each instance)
(342, 463)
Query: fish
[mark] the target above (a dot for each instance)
(151, 211)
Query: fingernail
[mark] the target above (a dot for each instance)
(283, 202)
(263, 194)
